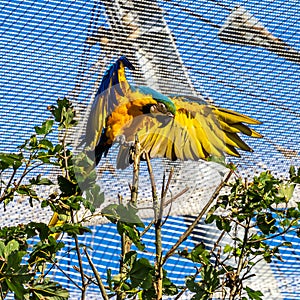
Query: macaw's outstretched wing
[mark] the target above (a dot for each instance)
(111, 91)
(197, 131)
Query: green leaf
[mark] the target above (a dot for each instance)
(148, 294)
(265, 223)
(95, 196)
(132, 233)
(254, 295)
(109, 279)
(223, 224)
(286, 191)
(45, 144)
(67, 187)
(27, 190)
(45, 251)
(292, 171)
(10, 160)
(9, 196)
(169, 288)
(43, 157)
(2, 248)
(210, 218)
(40, 181)
(287, 244)
(50, 291)
(128, 214)
(199, 254)
(190, 284)
(64, 113)
(293, 213)
(210, 277)
(110, 212)
(14, 260)
(45, 128)
(11, 246)
(33, 142)
(294, 177)
(130, 258)
(218, 159)
(140, 274)
(16, 287)
(227, 249)
(33, 228)
(71, 229)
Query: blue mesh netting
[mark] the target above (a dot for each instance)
(53, 49)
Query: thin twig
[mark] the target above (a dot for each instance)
(147, 228)
(158, 236)
(97, 275)
(176, 196)
(125, 240)
(153, 188)
(163, 199)
(165, 205)
(122, 268)
(65, 157)
(89, 278)
(173, 198)
(164, 193)
(77, 247)
(235, 287)
(201, 214)
(136, 169)
(272, 236)
(196, 15)
(7, 186)
(69, 277)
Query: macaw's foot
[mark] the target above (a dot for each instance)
(121, 139)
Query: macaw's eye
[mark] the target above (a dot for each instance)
(161, 107)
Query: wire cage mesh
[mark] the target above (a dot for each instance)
(242, 56)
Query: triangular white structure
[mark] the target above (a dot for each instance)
(243, 28)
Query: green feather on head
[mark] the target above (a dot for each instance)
(159, 98)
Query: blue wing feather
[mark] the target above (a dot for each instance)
(111, 78)
(105, 101)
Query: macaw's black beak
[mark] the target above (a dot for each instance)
(165, 119)
(169, 114)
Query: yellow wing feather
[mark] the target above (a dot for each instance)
(196, 132)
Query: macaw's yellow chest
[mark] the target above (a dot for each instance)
(127, 118)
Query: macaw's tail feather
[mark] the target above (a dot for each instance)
(235, 120)
(124, 158)
(101, 149)
(231, 123)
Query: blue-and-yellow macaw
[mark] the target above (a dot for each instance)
(177, 127)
